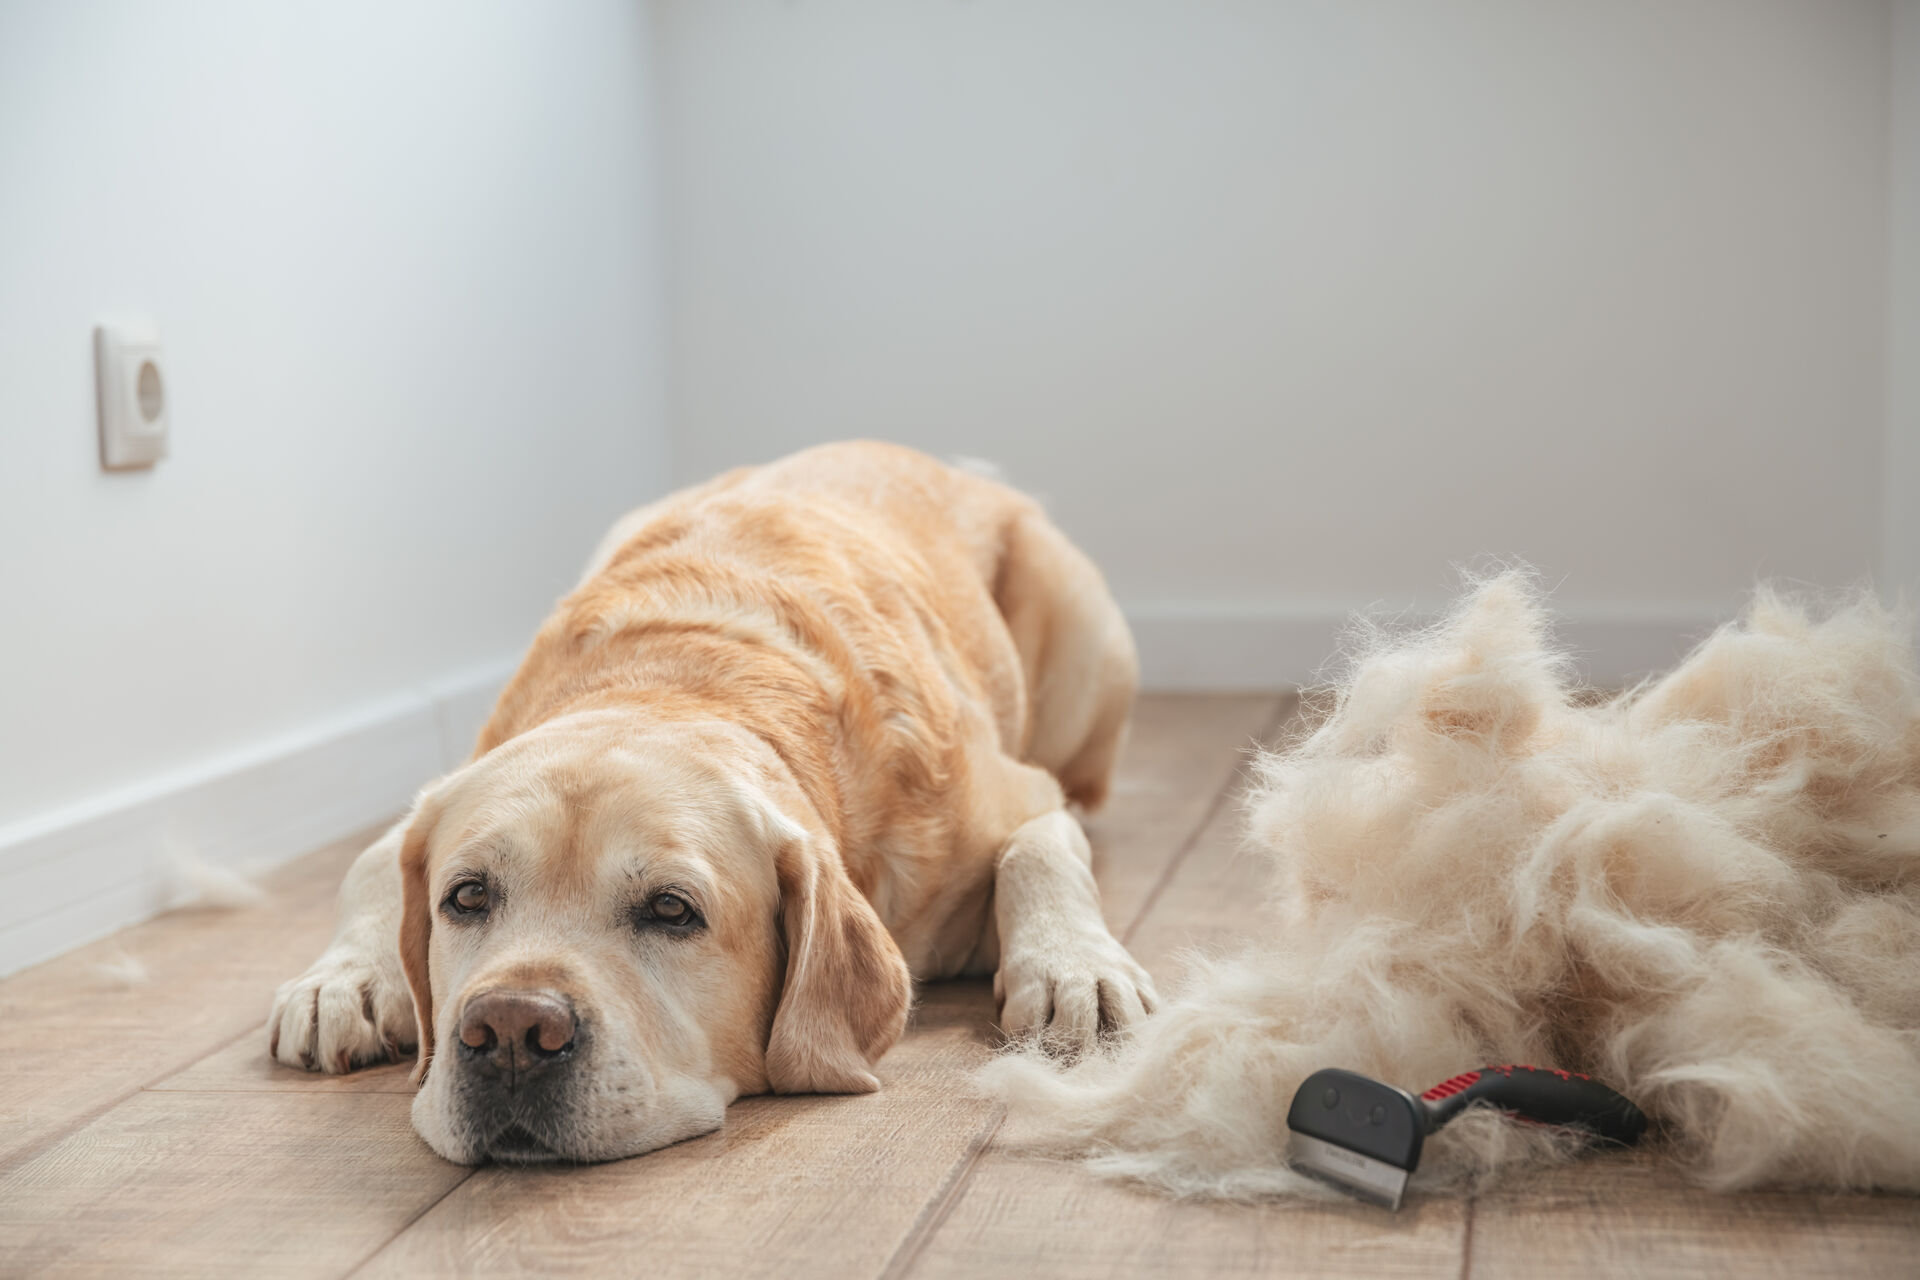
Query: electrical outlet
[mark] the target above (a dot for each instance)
(131, 376)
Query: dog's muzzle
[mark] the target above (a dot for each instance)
(517, 1061)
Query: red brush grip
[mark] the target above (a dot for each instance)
(1543, 1095)
(1447, 1088)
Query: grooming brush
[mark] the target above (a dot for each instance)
(1365, 1137)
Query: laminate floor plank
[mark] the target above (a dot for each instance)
(217, 1184)
(1183, 757)
(93, 1026)
(1626, 1214)
(244, 1067)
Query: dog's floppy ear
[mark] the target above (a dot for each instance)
(416, 923)
(845, 997)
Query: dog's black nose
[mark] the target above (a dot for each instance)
(516, 1034)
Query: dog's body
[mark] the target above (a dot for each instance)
(801, 732)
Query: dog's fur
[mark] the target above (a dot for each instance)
(1705, 892)
(838, 705)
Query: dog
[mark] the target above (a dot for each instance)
(802, 735)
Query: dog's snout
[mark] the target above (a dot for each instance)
(517, 1032)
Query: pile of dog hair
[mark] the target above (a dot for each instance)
(1705, 892)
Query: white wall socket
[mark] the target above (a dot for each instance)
(132, 380)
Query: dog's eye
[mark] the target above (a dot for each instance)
(468, 897)
(668, 909)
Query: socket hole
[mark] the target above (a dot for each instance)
(152, 394)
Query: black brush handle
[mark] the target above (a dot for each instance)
(1564, 1098)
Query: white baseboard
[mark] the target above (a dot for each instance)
(77, 874)
(1209, 648)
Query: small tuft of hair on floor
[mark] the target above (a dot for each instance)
(200, 883)
(122, 969)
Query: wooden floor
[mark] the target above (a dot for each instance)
(143, 1131)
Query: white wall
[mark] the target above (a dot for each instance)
(1901, 568)
(404, 264)
(1289, 306)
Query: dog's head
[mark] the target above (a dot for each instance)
(612, 934)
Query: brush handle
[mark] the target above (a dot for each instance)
(1541, 1096)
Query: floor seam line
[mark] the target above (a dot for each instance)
(407, 1226)
(47, 1141)
(1466, 1240)
(940, 1205)
(1284, 707)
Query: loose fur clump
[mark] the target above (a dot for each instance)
(1705, 892)
(123, 969)
(200, 883)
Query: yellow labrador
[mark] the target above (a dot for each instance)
(802, 734)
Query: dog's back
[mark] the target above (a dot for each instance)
(899, 587)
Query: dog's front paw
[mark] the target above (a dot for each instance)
(346, 1011)
(1071, 988)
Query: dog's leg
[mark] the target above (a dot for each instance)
(1076, 651)
(352, 1007)
(1062, 975)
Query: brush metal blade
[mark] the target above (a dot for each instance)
(1364, 1176)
